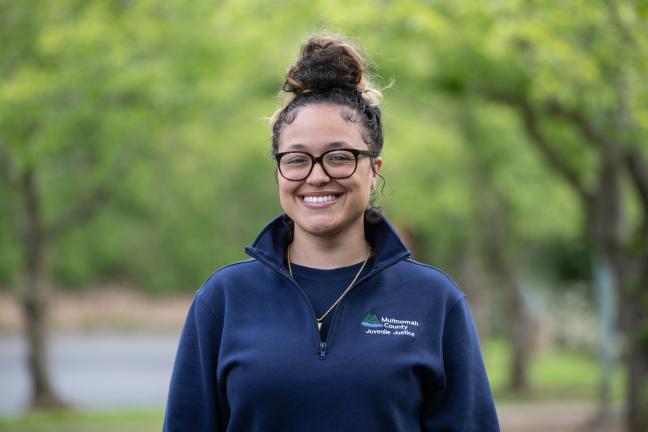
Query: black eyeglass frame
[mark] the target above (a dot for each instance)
(320, 159)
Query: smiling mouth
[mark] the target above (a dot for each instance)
(309, 199)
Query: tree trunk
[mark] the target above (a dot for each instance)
(522, 342)
(636, 359)
(635, 326)
(630, 273)
(519, 323)
(603, 209)
(497, 242)
(35, 299)
(606, 288)
(604, 216)
(634, 301)
(472, 277)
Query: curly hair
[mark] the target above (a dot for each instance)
(331, 69)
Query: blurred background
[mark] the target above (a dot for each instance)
(135, 160)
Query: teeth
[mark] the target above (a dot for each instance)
(318, 199)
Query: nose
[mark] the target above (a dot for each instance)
(318, 175)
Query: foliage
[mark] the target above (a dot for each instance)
(151, 115)
(166, 103)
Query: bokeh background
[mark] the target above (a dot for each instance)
(135, 160)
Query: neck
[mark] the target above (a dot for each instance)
(329, 252)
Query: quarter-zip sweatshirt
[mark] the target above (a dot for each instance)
(401, 352)
(324, 287)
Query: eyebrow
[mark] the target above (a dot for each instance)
(334, 144)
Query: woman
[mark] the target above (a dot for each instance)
(330, 326)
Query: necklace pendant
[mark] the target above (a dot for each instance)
(355, 278)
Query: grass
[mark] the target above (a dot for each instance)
(85, 421)
(564, 374)
(555, 375)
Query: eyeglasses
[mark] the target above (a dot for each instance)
(337, 163)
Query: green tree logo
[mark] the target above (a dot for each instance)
(371, 320)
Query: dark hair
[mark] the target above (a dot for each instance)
(331, 69)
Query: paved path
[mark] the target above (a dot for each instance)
(94, 370)
(114, 370)
(556, 417)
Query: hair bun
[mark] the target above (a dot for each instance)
(331, 69)
(325, 62)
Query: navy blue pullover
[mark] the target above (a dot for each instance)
(323, 287)
(401, 353)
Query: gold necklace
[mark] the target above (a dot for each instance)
(320, 319)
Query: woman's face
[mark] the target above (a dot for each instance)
(316, 129)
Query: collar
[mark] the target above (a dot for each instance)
(270, 245)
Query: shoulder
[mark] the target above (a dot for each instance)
(228, 275)
(432, 280)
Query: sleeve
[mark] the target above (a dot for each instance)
(192, 404)
(465, 403)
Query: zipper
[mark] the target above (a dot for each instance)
(322, 343)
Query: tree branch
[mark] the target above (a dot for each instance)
(577, 119)
(86, 208)
(79, 214)
(616, 19)
(638, 169)
(555, 161)
(530, 120)
(7, 169)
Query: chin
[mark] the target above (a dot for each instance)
(325, 225)
(320, 226)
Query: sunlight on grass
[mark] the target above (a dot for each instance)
(557, 374)
(85, 421)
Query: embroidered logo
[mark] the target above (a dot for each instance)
(371, 320)
(388, 326)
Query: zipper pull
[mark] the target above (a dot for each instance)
(322, 350)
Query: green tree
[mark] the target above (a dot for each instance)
(82, 99)
(574, 83)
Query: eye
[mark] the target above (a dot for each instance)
(295, 159)
(340, 157)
